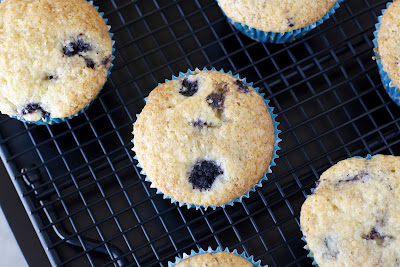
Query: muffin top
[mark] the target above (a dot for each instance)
(54, 57)
(389, 42)
(215, 260)
(276, 15)
(352, 218)
(205, 139)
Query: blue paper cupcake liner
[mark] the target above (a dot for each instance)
(277, 37)
(392, 90)
(310, 253)
(218, 249)
(274, 155)
(49, 120)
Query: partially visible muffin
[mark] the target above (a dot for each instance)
(352, 217)
(54, 57)
(215, 260)
(387, 42)
(276, 15)
(205, 139)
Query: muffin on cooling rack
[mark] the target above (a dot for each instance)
(215, 258)
(55, 56)
(206, 138)
(387, 39)
(277, 21)
(352, 217)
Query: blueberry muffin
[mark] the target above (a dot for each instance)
(215, 260)
(276, 15)
(387, 52)
(388, 42)
(54, 57)
(204, 139)
(352, 217)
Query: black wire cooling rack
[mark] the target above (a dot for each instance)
(78, 180)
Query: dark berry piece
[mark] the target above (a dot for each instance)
(290, 22)
(30, 108)
(242, 87)
(331, 250)
(377, 236)
(106, 60)
(216, 100)
(89, 62)
(33, 107)
(200, 124)
(358, 177)
(204, 173)
(52, 77)
(189, 88)
(374, 234)
(76, 48)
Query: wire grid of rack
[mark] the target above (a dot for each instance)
(80, 184)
